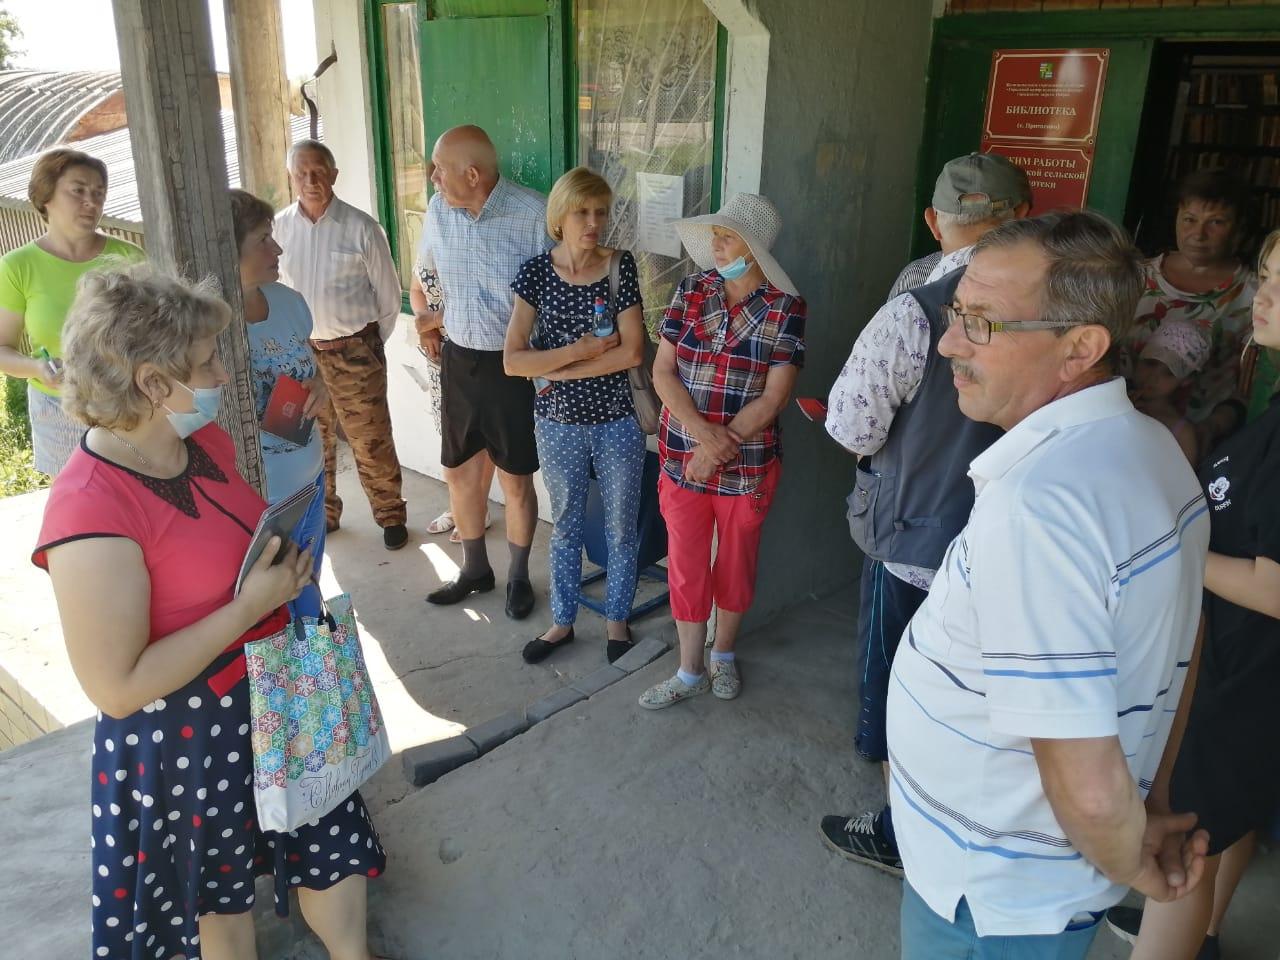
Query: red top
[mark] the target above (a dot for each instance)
(193, 529)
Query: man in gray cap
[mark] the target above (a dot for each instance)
(895, 406)
(956, 225)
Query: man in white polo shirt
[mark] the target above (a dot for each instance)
(1034, 692)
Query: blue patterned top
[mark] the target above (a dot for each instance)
(278, 345)
(565, 314)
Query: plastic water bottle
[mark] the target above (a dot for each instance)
(604, 323)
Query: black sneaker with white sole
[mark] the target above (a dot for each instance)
(1125, 922)
(863, 839)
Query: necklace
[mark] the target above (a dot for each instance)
(136, 452)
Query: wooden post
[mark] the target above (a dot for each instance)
(175, 128)
(260, 92)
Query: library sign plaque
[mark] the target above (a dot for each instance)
(1042, 113)
(1059, 176)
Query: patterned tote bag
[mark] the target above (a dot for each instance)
(317, 732)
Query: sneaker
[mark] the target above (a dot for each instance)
(1125, 922)
(862, 839)
(672, 690)
(725, 682)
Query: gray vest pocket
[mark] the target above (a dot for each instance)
(869, 488)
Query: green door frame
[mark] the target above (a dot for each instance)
(563, 109)
(563, 136)
(1027, 29)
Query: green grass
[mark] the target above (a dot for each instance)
(17, 465)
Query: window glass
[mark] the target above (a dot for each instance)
(404, 124)
(646, 105)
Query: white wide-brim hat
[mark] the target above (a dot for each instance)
(754, 219)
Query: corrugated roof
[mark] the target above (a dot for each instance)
(38, 108)
(122, 186)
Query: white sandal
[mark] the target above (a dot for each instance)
(445, 522)
(441, 524)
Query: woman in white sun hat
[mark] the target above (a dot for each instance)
(732, 344)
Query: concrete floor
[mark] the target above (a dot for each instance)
(604, 832)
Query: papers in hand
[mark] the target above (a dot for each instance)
(283, 417)
(278, 520)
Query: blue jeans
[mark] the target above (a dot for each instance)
(886, 605)
(927, 936)
(311, 527)
(568, 452)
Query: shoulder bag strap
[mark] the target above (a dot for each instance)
(615, 275)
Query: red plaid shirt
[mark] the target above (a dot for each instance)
(723, 357)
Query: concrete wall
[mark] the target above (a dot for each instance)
(844, 114)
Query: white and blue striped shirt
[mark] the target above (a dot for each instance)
(477, 258)
(1066, 608)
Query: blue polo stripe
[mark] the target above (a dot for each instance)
(1051, 674)
(1179, 525)
(1081, 655)
(1144, 707)
(1031, 836)
(998, 851)
(911, 642)
(1159, 559)
(957, 732)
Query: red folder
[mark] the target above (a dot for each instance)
(283, 417)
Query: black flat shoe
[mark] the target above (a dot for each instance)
(538, 649)
(519, 599)
(616, 648)
(460, 589)
(395, 537)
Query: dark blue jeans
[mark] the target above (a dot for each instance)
(886, 606)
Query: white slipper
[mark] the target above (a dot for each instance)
(455, 538)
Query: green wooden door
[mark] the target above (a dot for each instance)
(489, 62)
(958, 78)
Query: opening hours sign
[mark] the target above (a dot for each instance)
(1042, 113)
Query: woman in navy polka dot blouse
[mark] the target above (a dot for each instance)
(577, 345)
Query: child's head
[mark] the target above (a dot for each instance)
(1174, 354)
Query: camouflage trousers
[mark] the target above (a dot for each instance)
(354, 370)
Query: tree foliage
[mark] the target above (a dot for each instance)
(10, 33)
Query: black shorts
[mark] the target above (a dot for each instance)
(1228, 769)
(481, 408)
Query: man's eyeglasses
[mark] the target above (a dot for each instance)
(978, 329)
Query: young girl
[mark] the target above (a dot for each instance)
(1169, 361)
(1228, 767)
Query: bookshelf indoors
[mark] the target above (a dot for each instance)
(1228, 116)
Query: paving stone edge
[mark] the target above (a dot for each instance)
(427, 763)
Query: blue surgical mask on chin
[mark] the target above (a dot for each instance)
(734, 269)
(205, 400)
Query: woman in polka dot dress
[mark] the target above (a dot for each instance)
(143, 537)
(583, 417)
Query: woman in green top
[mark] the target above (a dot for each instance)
(38, 282)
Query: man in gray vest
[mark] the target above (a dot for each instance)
(895, 405)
